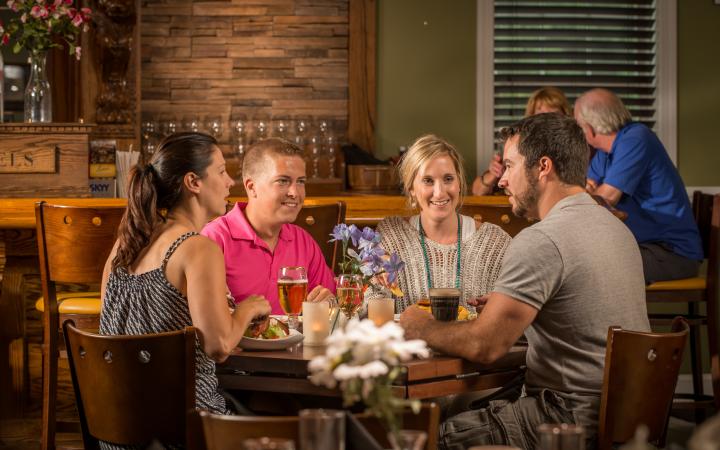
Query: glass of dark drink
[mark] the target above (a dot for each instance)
(444, 303)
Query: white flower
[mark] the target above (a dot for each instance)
(366, 371)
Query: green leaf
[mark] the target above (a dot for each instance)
(17, 47)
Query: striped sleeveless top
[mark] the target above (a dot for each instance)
(147, 303)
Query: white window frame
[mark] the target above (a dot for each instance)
(666, 79)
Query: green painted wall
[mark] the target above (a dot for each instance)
(426, 80)
(426, 74)
(699, 92)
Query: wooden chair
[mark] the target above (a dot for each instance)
(641, 371)
(131, 390)
(228, 432)
(73, 244)
(693, 292)
(319, 221)
(500, 215)
(428, 420)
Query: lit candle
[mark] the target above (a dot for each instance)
(316, 326)
(381, 310)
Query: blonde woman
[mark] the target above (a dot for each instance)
(544, 100)
(440, 247)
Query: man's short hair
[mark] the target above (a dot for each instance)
(259, 153)
(602, 110)
(556, 136)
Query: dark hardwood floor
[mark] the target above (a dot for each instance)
(23, 433)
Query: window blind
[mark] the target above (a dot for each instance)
(574, 46)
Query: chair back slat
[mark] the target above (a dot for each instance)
(228, 432)
(703, 208)
(500, 215)
(319, 221)
(76, 241)
(641, 371)
(132, 389)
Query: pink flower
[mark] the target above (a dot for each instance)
(57, 3)
(12, 4)
(39, 12)
(78, 52)
(68, 2)
(5, 39)
(23, 18)
(86, 11)
(77, 20)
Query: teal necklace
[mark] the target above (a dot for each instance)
(428, 273)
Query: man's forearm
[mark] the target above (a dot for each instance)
(455, 338)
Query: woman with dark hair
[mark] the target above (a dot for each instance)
(162, 275)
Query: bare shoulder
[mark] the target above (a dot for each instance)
(199, 245)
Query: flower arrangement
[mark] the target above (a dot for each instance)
(40, 23)
(368, 258)
(364, 360)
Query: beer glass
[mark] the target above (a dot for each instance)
(349, 294)
(292, 292)
(444, 303)
(322, 429)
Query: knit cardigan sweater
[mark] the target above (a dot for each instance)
(480, 263)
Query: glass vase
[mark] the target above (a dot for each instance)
(38, 98)
(407, 440)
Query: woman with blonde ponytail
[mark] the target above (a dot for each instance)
(162, 275)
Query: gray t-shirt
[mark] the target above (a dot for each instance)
(581, 268)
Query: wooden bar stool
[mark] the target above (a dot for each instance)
(693, 292)
(73, 244)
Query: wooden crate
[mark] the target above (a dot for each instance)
(44, 160)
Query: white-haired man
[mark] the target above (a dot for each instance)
(634, 173)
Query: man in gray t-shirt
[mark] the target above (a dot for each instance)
(563, 282)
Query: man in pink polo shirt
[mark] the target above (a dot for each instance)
(258, 237)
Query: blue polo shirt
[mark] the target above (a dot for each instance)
(654, 195)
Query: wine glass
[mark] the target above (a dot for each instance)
(349, 294)
(214, 126)
(292, 291)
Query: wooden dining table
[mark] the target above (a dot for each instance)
(286, 372)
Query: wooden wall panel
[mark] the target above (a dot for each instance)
(251, 57)
(362, 83)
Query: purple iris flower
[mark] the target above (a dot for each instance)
(369, 238)
(393, 266)
(341, 232)
(355, 234)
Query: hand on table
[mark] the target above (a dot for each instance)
(478, 302)
(413, 320)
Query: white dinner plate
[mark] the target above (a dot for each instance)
(294, 338)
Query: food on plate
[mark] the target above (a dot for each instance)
(269, 328)
(463, 312)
